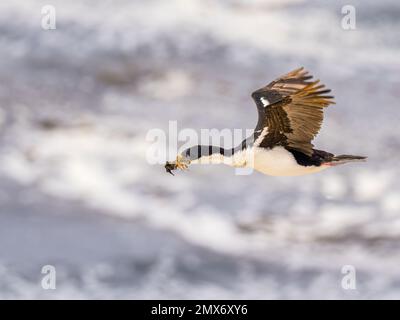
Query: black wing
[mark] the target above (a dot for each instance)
(290, 111)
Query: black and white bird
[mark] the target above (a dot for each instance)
(290, 114)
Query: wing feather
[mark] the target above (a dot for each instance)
(294, 112)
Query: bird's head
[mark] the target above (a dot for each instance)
(180, 163)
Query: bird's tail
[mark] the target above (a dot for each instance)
(345, 158)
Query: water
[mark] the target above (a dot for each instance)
(77, 192)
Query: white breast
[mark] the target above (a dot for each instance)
(277, 162)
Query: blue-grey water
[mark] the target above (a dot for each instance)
(77, 191)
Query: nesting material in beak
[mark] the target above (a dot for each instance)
(179, 163)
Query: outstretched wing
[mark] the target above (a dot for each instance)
(290, 111)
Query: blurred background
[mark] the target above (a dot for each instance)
(76, 191)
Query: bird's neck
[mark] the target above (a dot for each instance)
(208, 154)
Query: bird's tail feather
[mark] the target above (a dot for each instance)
(345, 158)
